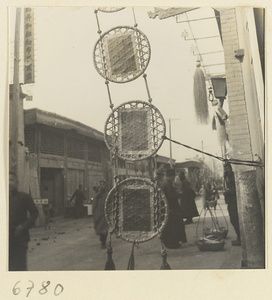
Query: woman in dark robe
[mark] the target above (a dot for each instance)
(100, 223)
(187, 200)
(174, 231)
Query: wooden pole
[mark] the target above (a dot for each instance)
(203, 170)
(14, 100)
(251, 222)
(170, 136)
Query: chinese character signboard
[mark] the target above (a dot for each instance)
(40, 201)
(29, 76)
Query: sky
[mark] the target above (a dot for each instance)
(67, 83)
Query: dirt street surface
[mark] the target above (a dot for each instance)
(71, 244)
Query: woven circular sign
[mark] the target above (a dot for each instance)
(136, 210)
(121, 54)
(110, 9)
(134, 130)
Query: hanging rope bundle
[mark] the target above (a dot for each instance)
(200, 96)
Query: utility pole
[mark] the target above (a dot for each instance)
(14, 100)
(203, 170)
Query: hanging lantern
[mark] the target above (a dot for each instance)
(200, 95)
(219, 87)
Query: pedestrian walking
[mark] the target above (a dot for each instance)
(210, 196)
(22, 215)
(79, 198)
(214, 194)
(100, 223)
(231, 201)
(187, 199)
(202, 194)
(174, 231)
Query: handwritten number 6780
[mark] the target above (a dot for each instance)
(57, 291)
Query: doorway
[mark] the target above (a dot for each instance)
(52, 189)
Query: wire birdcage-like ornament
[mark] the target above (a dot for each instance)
(122, 54)
(136, 128)
(136, 210)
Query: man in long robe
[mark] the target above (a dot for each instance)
(100, 223)
(22, 216)
(174, 231)
(79, 199)
(231, 201)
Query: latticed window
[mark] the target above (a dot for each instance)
(94, 151)
(121, 163)
(52, 142)
(30, 139)
(75, 148)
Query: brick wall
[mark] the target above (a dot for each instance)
(238, 127)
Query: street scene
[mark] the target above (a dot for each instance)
(127, 158)
(75, 241)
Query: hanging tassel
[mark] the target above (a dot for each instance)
(131, 261)
(109, 264)
(200, 95)
(165, 265)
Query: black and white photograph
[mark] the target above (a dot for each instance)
(136, 140)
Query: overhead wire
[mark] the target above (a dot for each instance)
(230, 160)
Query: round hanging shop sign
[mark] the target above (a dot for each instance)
(134, 130)
(136, 210)
(121, 54)
(109, 9)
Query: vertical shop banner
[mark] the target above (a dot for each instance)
(29, 76)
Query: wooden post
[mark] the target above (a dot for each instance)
(203, 161)
(170, 136)
(251, 221)
(14, 101)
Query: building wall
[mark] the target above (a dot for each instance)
(245, 90)
(78, 158)
(239, 135)
(245, 128)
